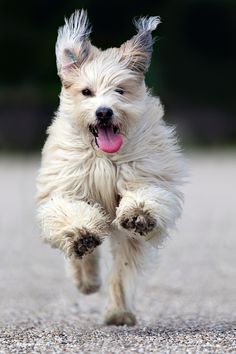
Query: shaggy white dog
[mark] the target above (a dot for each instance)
(110, 165)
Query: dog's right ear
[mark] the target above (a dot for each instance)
(73, 45)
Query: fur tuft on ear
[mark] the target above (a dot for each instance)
(73, 46)
(144, 24)
(138, 50)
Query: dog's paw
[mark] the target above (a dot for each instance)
(82, 242)
(89, 287)
(120, 318)
(138, 221)
(85, 245)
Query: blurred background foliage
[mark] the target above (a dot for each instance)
(193, 66)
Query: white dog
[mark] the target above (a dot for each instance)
(110, 165)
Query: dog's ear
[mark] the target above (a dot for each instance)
(138, 50)
(73, 45)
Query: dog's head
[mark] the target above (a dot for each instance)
(103, 92)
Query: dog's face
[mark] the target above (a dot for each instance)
(103, 92)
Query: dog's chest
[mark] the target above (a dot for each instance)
(102, 179)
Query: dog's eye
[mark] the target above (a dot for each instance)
(120, 91)
(87, 92)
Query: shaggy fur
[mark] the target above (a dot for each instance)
(85, 194)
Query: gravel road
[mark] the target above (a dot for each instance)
(186, 301)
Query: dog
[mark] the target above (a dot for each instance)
(111, 168)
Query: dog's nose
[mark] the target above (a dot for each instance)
(104, 113)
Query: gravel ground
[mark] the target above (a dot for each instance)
(185, 304)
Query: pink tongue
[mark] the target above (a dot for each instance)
(107, 140)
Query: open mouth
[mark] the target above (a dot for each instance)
(107, 137)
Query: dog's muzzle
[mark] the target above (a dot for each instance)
(107, 135)
(104, 115)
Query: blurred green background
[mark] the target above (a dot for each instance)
(192, 70)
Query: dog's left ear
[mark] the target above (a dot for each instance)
(138, 50)
(73, 46)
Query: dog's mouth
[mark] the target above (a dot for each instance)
(107, 136)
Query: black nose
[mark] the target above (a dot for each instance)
(104, 113)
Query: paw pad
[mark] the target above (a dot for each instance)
(86, 245)
(140, 222)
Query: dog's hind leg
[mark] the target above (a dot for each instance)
(85, 272)
(127, 258)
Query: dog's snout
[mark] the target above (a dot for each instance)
(104, 113)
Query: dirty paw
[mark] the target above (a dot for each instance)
(89, 288)
(120, 319)
(81, 242)
(139, 221)
(85, 245)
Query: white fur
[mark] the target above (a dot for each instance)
(82, 190)
(71, 36)
(147, 23)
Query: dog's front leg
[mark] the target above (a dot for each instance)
(73, 226)
(148, 211)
